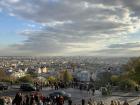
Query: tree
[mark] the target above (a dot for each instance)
(127, 84)
(104, 77)
(115, 79)
(67, 76)
(26, 79)
(2, 75)
(51, 79)
(132, 68)
(32, 74)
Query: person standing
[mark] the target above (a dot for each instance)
(69, 102)
(93, 91)
(32, 99)
(27, 99)
(83, 101)
(18, 99)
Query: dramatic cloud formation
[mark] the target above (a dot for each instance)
(76, 27)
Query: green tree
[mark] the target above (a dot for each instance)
(67, 76)
(115, 79)
(26, 79)
(132, 68)
(51, 79)
(127, 84)
(2, 75)
(32, 74)
(105, 77)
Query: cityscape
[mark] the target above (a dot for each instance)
(69, 52)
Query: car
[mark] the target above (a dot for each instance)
(60, 93)
(27, 87)
(3, 86)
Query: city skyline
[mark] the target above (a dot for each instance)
(69, 28)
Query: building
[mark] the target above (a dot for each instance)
(42, 70)
(83, 76)
(18, 74)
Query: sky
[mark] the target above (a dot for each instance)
(70, 28)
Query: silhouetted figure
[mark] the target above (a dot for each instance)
(69, 102)
(27, 99)
(93, 91)
(18, 99)
(83, 101)
(112, 102)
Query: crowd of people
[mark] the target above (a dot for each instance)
(37, 98)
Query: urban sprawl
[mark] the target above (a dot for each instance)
(75, 80)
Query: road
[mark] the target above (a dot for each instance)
(77, 95)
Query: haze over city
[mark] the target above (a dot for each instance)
(69, 28)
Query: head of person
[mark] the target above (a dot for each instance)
(112, 101)
(125, 101)
(101, 102)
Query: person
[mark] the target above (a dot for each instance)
(136, 88)
(43, 98)
(69, 102)
(54, 100)
(32, 99)
(138, 103)
(18, 99)
(47, 100)
(101, 103)
(61, 100)
(112, 102)
(2, 102)
(88, 90)
(98, 103)
(40, 102)
(49, 103)
(125, 102)
(93, 91)
(27, 100)
(83, 101)
(36, 97)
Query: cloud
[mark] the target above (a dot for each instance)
(118, 52)
(75, 26)
(126, 45)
